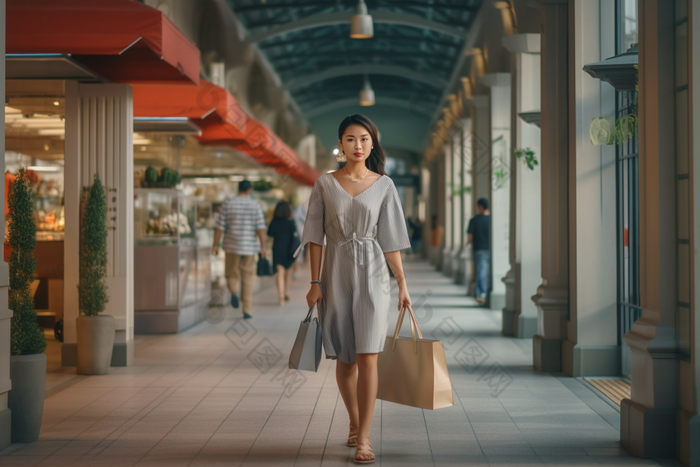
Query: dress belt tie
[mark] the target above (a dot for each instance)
(358, 241)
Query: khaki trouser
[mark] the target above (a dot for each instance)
(241, 269)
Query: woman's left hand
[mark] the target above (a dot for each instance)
(404, 298)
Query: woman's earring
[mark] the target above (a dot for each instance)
(340, 157)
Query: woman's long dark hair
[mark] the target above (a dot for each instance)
(283, 210)
(377, 158)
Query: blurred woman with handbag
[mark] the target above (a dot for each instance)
(286, 240)
(357, 213)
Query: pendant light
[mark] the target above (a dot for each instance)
(366, 94)
(361, 25)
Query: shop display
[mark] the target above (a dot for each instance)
(171, 260)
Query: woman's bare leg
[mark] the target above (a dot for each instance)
(346, 377)
(279, 280)
(367, 382)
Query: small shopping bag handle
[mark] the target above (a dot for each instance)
(309, 315)
(414, 327)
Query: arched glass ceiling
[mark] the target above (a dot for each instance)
(409, 61)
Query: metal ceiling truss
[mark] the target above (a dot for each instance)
(410, 59)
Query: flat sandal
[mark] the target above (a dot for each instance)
(352, 437)
(367, 449)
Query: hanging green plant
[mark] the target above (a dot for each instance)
(92, 289)
(625, 127)
(527, 155)
(262, 185)
(26, 336)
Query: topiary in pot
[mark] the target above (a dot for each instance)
(95, 332)
(27, 341)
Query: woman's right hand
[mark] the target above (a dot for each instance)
(314, 295)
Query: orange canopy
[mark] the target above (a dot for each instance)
(209, 105)
(223, 121)
(122, 40)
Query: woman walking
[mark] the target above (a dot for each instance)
(282, 229)
(358, 211)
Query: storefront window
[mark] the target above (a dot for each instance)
(627, 195)
(628, 27)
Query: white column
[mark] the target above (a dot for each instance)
(99, 140)
(440, 203)
(480, 110)
(447, 193)
(501, 171)
(457, 220)
(467, 196)
(481, 148)
(520, 313)
(693, 424)
(5, 312)
(591, 346)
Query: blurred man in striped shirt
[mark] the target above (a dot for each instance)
(242, 223)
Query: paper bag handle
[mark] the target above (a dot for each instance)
(310, 313)
(414, 327)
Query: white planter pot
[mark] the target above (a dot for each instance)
(95, 335)
(26, 398)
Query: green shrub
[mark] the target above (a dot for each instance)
(92, 288)
(26, 336)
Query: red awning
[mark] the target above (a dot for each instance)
(209, 105)
(122, 40)
(223, 121)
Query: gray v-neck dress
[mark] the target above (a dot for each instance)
(355, 283)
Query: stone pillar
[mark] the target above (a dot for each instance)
(5, 312)
(591, 347)
(501, 172)
(466, 199)
(520, 313)
(691, 424)
(99, 140)
(552, 297)
(457, 211)
(449, 212)
(648, 419)
(433, 209)
(441, 210)
(480, 110)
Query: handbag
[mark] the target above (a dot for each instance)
(264, 268)
(306, 351)
(413, 371)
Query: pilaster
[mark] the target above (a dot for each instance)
(552, 298)
(525, 254)
(649, 418)
(99, 134)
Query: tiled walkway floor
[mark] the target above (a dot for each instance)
(219, 394)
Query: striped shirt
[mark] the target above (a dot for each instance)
(240, 218)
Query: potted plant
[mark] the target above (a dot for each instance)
(95, 332)
(27, 341)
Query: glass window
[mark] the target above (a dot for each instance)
(627, 32)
